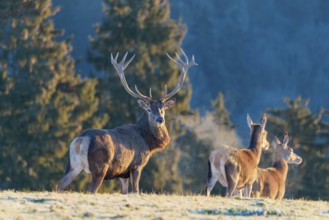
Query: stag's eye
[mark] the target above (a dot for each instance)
(149, 110)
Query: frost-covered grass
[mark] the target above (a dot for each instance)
(70, 205)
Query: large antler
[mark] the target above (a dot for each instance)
(184, 68)
(120, 67)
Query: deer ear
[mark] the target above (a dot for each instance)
(275, 142)
(169, 103)
(249, 121)
(263, 120)
(285, 139)
(145, 105)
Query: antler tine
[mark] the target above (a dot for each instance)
(140, 94)
(128, 62)
(173, 59)
(184, 54)
(184, 66)
(124, 59)
(165, 91)
(193, 61)
(180, 59)
(120, 67)
(114, 59)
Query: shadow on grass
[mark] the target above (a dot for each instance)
(236, 212)
(39, 200)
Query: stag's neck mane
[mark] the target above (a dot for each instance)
(282, 166)
(256, 141)
(156, 137)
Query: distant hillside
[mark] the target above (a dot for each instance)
(254, 53)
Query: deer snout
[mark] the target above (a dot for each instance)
(160, 120)
(266, 145)
(299, 160)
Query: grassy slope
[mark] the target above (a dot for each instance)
(50, 205)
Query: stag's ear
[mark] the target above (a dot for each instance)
(263, 120)
(285, 139)
(145, 105)
(249, 121)
(169, 103)
(275, 142)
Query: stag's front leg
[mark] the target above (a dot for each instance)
(134, 178)
(124, 185)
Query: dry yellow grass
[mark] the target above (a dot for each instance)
(70, 205)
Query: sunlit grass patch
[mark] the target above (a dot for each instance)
(73, 205)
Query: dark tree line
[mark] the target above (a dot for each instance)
(45, 103)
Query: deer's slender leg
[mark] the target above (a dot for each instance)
(232, 176)
(124, 185)
(280, 194)
(211, 183)
(238, 192)
(231, 187)
(68, 178)
(135, 177)
(247, 190)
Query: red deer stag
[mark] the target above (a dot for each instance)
(236, 168)
(122, 152)
(271, 182)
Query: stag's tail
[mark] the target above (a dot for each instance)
(209, 171)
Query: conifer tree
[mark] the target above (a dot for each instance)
(220, 112)
(309, 134)
(44, 104)
(143, 28)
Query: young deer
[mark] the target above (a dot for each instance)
(271, 181)
(122, 152)
(236, 168)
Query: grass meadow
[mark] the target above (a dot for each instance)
(73, 205)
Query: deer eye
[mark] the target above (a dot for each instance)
(149, 110)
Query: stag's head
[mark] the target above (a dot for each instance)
(155, 108)
(261, 128)
(283, 151)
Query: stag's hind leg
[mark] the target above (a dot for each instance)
(98, 172)
(68, 178)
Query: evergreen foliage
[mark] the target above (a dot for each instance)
(220, 112)
(44, 104)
